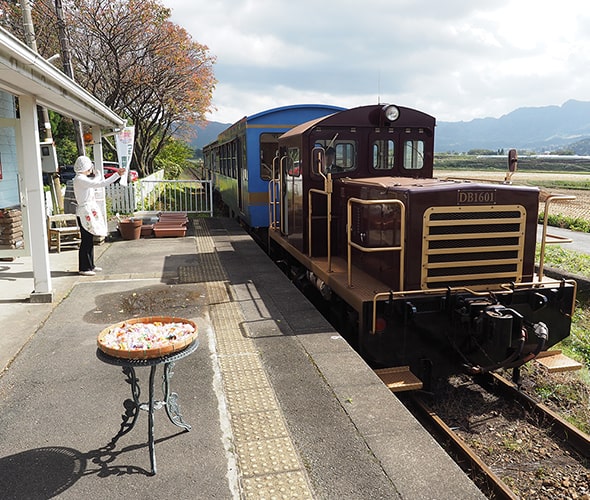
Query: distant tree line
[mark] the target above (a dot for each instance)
(579, 148)
(485, 152)
(493, 162)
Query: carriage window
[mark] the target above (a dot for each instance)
(229, 159)
(413, 155)
(243, 161)
(383, 154)
(234, 161)
(293, 162)
(268, 151)
(223, 160)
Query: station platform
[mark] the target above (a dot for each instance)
(280, 406)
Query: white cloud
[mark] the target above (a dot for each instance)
(456, 59)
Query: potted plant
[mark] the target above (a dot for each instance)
(130, 228)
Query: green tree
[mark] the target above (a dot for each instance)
(481, 152)
(174, 158)
(63, 132)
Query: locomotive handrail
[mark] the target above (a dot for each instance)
(327, 191)
(320, 151)
(282, 162)
(400, 248)
(548, 201)
(536, 284)
(273, 187)
(273, 183)
(506, 287)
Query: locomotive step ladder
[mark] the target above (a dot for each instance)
(555, 361)
(399, 379)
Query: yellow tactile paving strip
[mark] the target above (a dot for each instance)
(269, 465)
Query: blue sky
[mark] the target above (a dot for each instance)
(454, 59)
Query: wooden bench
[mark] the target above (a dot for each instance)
(63, 230)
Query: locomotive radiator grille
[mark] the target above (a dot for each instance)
(475, 246)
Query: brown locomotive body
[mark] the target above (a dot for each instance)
(417, 271)
(454, 239)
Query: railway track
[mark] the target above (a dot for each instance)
(480, 473)
(518, 476)
(500, 480)
(572, 435)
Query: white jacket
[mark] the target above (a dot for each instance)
(88, 210)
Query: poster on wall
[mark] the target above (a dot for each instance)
(124, 142)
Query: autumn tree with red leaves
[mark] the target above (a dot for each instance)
(133, 58)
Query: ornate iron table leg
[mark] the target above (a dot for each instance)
(131, 406)
(171, 399)
(151, 421)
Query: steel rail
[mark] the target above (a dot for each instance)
(566, 431)
(497, 488)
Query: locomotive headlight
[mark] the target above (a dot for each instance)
(391, 113)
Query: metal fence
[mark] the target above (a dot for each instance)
(191, 196)
(123, 199)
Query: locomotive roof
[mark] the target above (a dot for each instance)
(392, 182)
(410, 183)
(366, 116)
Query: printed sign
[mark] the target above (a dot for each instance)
(124, 142)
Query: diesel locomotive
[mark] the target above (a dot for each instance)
(415, 271)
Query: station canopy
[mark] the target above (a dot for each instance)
(22, 71)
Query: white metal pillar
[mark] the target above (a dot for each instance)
(34, 199)
(97, 148)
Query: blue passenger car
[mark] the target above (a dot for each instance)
(240, 161)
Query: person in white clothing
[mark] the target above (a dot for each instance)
(90, 218)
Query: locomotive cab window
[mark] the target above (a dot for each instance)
(293, 163)
(413, 154)
(339, 156)
(383, 154)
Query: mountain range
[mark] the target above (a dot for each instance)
(539, 129)
(535, 129)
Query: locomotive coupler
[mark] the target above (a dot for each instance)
(489, 323)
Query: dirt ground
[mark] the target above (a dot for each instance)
(578, 208)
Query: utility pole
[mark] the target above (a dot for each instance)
(32, 44)
(66, 58)
(31, 41)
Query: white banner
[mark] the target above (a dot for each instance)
(124, 142)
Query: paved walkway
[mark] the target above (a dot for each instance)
(279, 404)
(580, 243)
